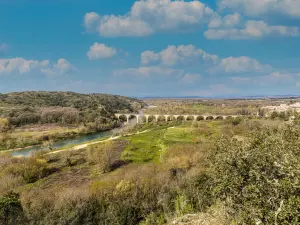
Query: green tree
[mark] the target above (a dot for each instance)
(11, 211)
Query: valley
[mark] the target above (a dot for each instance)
(157, 171)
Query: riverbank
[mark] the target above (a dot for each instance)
(82, 146)
(30, 136)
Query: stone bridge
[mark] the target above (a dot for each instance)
(169, 117)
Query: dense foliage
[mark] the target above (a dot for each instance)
(259, 177)
(112, 103)
(86, 112)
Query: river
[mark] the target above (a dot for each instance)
(26, 152)
(60, 144)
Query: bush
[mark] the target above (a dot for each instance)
(237, 121)
(256, 176)
(104, 155)
(11, 211)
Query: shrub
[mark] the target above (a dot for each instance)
(256, 175)
(237, 121)
(11, 211)
(104, 155)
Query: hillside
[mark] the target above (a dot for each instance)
(111, 103)
(31, 118)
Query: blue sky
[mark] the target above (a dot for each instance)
(220, 48)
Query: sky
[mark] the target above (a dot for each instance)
(222, 48)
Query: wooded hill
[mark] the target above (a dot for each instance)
(111, 103)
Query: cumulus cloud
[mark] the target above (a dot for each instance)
(148, 72)
(260, 8)
(189, 78)
(23, 66)
(241, 64)
(113, 26)
(252, 30)
(228, 21)
(61, 67)
(101, 51)
(91, 19)
(183, 54)
(20, 65)
(149, 16)
(186, 54)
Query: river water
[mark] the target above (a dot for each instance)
(60, 144)
(26, 152)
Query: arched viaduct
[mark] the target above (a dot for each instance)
(168, 117)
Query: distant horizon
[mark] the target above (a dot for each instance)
(174, 96)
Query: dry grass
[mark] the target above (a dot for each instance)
(217, 215)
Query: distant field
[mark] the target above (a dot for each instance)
(212, 106)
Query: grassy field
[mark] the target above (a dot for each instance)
(150, 146)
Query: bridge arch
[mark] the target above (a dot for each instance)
(199, 118)
(161, 118)
(133, 116)
(209, 118)
(180, 118)
(151, 118)
(219, 118)
(171, 118)
(190, 118)
(122, 117)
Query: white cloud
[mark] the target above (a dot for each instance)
(19, 65)
(90, 20)
(183, 54)
(228, 21)
(148, 72)
(241, 64)
(113, 26)
(190, 78)
(101, 51)
(61, 67)
(148, 16)
(260, 8)
(252, 30)
(23, 66)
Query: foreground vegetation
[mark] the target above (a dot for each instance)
(206, 172)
